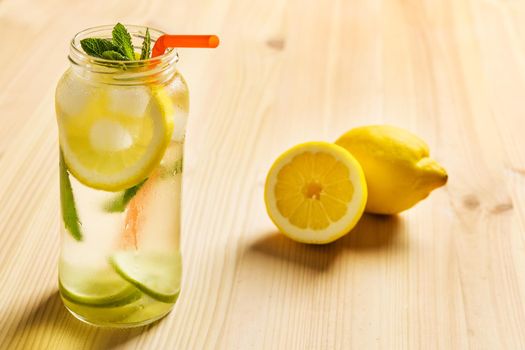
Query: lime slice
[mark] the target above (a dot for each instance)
(104, 315)
(156, 274)
(149, 312)
(95, 287)
(114, 142)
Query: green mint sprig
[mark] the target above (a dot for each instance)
(172, 170)
(113, 55)
(96, 46)
(146, 46)
(122, 40)
(121, 200)
(120, 48)
(69, 209)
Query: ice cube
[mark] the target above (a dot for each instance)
(73, 94)
(109, 136)
(180, 118)
(179, 92)
(132, 101)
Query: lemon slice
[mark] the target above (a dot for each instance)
(111, 147)
(95, 287)
(155, 274)
(315, 192)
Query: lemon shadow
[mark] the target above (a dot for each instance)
(276, 245)
(374, 234)
(50, 325)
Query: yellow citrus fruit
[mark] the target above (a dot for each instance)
(110, 145)
(398, 170)
(315, 192)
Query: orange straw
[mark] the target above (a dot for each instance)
(166, 40)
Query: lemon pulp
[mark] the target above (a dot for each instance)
(315, 192)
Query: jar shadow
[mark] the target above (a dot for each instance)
(373, 235)
(49, 319)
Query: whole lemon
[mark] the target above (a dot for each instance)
(397, 167)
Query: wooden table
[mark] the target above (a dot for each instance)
(447, 274)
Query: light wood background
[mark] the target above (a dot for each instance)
(448, 274)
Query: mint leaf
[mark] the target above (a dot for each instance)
(96, 46)
(146, 46)
(172, 170)
(67, 201)
(113, 55)
(120, 202)
(122, 40)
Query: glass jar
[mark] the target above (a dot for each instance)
(121, 130)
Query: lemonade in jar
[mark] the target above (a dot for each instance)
(121, 118)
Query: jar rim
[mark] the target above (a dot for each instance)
(79, 56)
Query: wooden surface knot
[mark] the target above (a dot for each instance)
(502, 207)
(471, 202)
(276, 44)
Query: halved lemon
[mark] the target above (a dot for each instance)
(108, 148)
(315, 192)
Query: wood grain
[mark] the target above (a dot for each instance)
(448, 274)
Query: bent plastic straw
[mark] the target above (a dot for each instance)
(166, 41)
